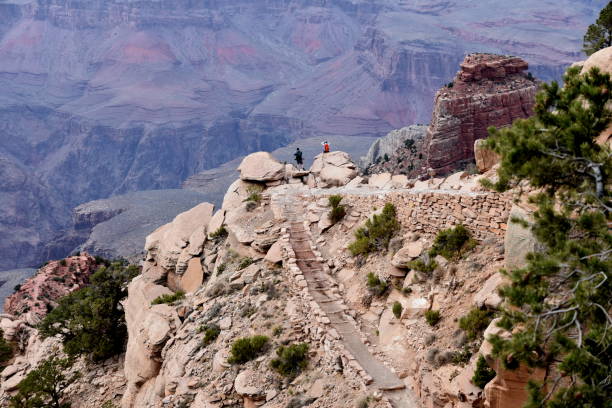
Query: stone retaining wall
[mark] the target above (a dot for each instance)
(485, 214)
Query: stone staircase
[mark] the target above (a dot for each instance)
(310, 271)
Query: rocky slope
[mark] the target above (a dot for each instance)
(283, 270)
(489, 90)
(103, 98)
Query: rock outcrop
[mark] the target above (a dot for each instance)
(489, 90)
(399, 152)
(56, 279)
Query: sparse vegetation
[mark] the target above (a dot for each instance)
(278, 330)
(254, 194)
(6, 351)
(397, 309)
(291, 359)
(453, 243)
(247, 348)
(221, 268)
(338, 211)
(219, 234)
(376, 233)
(364, 402)
(420, 265)
(63, 262)
(462, 357)
(17, 288)
(433, 317)
(475, 322)
(375, 285)
(245, 262)
(483, 373)
(211, 332)
(45, 385)
(450, 84)
(169, 298)
(91, 320)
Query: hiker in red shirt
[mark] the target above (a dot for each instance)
(325, 147)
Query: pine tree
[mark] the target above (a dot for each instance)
(91, 320)
(44, 386)
(558, 305)
(599, 35)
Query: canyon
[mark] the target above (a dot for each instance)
(107, 98)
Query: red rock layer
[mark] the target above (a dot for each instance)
(53, 281)
(489, 90)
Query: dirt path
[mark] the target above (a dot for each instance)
(320, 288)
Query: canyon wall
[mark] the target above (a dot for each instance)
(103, 98)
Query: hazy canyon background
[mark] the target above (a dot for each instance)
(110, 97)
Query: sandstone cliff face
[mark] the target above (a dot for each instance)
(489, 90)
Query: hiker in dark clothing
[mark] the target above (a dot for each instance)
(298, 158)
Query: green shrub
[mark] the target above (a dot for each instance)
(397, 309)
(168, 298)
(420, 266)
(334, 200)
(91, 320)
(376, 286)
(244, 262)
(452, 243)
(376, 233)
(462, 357)
(278, 330)
(219, 234)
(450, 84)
(247, 348)
(221, 268)
(475, 322)
(483, 373)
(6, 351)
(433, 317)
(291, 359)
(17, 288)
(337, 211)
(254, 194)
(211, 332)
(62, 262)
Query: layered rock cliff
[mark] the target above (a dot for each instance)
(489, 90)
(102, 98)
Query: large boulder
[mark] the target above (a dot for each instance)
(333, 169)
(602, 59)
(518, 241)
(167, 243)
(261, 167)
(485, 158)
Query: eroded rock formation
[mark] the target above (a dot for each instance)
(489, 90)
(56, 279)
